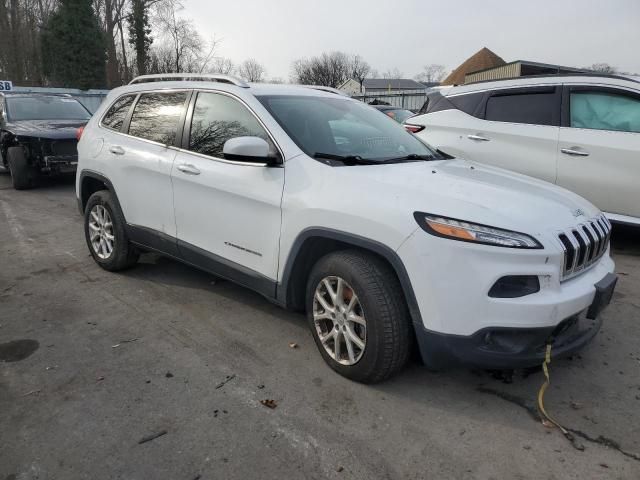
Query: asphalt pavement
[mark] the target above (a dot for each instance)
(162, 372)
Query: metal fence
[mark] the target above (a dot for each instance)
(408, 101)
(91, 99)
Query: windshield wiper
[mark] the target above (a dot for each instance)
(411, 156)
(347, 159)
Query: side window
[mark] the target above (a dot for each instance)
(118, 112)
(156, 116)
(467, 103)
(218, 118)
(531, 108)
(605, 111)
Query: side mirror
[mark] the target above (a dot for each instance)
(248, 149)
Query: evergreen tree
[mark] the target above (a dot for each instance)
(140, 33)
(73, 47)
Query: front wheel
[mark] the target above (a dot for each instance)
(104, 228)
(23, 176)
(358, 316)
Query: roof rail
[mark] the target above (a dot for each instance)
(190, 77)
(629, 78)
(326, 89)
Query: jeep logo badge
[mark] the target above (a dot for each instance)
(578, 213)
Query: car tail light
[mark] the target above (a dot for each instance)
(413, 128)
(79, 133)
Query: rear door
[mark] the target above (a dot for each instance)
(227, 211)
(599, 147)
(519, 131)
(139, 162)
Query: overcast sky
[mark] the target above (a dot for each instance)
(407, 34)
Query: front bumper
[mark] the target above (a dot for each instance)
(459, 323)
(506, 348)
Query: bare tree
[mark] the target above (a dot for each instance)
(602, 68)
(181, 48)
(431, 73)
(359, 69)
(223, 65)
(329, 69)
(392, 73)
(251, 70)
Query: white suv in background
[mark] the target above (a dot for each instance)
(323, 205)
(581, 132)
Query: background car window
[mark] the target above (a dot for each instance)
(467, 103)
(605, 111)
(118, 112)
(530, 108)
(218, 118)
(156, 116)
(45, 108)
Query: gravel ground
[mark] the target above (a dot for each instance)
(103, 361)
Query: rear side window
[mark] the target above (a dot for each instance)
(605, 111)
(467, 103)
(218, 118)
(118, 112)
(156, 116)
(529, 108)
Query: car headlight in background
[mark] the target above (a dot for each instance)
(472, 232)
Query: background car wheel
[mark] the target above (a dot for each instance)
(22, 175)
(104, 229)
(358, 316)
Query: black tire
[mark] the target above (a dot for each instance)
(124, 254)
(388, 327)
(22, 175)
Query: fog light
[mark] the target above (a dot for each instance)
(515, 286)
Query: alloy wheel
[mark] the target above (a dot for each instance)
(339, 320)
(101, 233)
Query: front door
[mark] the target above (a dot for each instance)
(599, 148)
(227, 212)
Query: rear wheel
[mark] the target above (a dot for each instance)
(358, 316)
(104, 228)
(22, 175)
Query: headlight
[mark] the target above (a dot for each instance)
(473, 232)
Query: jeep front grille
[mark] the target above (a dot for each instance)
(584, 245)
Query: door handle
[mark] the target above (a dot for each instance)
(188, 169)
(575, 152)
(478, 138)
(117, 150)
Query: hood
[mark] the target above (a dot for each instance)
(477, 193)
(51, 129)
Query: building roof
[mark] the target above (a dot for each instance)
(480, 60)
(392, 83)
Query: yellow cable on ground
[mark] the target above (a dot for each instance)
(541, 392)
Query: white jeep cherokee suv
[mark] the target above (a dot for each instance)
(581, 132)
(321, 204)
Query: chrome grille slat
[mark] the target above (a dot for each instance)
(584, 245)
(595, 244)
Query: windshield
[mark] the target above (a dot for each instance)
(343, 127)
(45, 108)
